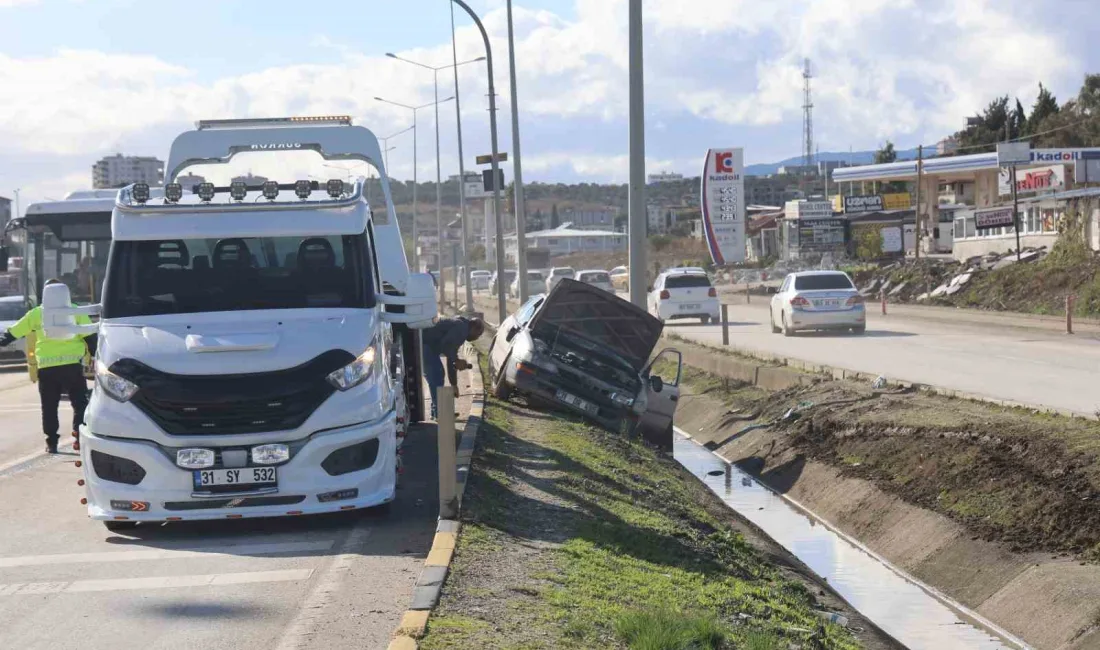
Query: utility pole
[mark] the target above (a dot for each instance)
(520, 207)
(461, 173)
(636, 219)
(502, 306)
(917, 213)
(1016, 211)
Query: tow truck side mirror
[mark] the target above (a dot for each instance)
(4, 259)
(419, 303)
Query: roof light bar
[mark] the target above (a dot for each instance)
(335, 188)
(140, 192)
(319, 120)
(270, 190)
(173, 192)
(205, 191)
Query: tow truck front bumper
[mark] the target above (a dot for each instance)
(166, 492)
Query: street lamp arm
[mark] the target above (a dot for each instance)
(401, 58)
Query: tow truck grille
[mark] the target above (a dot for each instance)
(227, 404)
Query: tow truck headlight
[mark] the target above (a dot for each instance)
(622, 399)
(356, 372)
(270, 454)
(116, 387)
(195, 458)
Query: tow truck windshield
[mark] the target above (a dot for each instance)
(180, 276)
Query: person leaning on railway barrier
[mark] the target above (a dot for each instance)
(60, 370)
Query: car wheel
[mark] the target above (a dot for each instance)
(787, 331)
(859, 330)
(704, 319)
(120, 526)
(501, 389)
(771, 319)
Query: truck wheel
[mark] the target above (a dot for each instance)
(705, 319)
(120, 526)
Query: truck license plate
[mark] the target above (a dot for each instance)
(573, 400)
(244, 476)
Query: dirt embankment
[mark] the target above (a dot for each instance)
(999, 508)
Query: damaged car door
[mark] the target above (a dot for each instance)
(663, 394)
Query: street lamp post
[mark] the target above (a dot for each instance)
(502, 306)
(414, 109)
(438, 172)
(461, 171)
(520, 208)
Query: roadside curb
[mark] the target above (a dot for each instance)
(437, 564)
(777, 362)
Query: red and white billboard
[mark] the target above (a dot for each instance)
(722, 197)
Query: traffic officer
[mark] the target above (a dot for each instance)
(444, 340)
(60, 370)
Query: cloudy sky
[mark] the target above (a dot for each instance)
(84, 78)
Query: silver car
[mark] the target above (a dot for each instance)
(600, 279)
(818, 300)
(479, 280)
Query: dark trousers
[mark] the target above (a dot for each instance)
(52, 382)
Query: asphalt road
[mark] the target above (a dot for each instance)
(992, 355)
(1025, 365)
(333, 581)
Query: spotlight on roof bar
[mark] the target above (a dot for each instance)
(335, 188)
(270, 190)
(205, 191)
(238, 190)
(173, 192)
(302, 189)
(140, 192)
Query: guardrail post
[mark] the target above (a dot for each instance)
(448, 467)
(1070, 299)
(748, 296)
(882, 298)
(725, 324)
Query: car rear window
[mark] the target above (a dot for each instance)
(822, 282)
(686, 281)
(534, 275)
(595, 277)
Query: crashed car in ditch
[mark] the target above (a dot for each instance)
(588, 351)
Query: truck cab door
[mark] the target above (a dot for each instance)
(663, 392)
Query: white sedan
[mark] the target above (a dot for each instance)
(479, 280)
(12, 309)
(817, 300)
(596, 278)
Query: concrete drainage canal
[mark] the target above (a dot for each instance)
(913, 614)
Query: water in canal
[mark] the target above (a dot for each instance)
(896, 604)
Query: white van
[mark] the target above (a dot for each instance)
(256, 344)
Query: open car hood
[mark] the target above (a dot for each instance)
(602, 318)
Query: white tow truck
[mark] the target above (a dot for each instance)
(257, 345)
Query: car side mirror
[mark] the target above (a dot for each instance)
(4, 259)
(656, 383)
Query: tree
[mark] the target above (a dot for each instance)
(1045, 106)
(536, 221)
(886, 154)
(554, 219)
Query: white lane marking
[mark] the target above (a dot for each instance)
(165, 582)
(301, 629)
(210, 552)
(36, 455)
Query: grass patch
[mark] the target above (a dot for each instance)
(630, 552)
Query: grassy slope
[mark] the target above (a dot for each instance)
(638, 558)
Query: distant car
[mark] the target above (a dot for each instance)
(536, 284)
(817, 300)
(556, 275)
(480, 280)
(684, 293)
(508, 277)
(588, 351)
(12, 309)
(620, 278)
(601, 279)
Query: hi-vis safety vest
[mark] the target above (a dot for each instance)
(50, 352)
